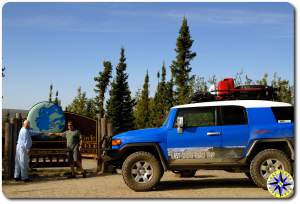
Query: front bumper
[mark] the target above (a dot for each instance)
(111, 156)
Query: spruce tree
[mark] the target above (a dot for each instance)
(78, 104)
(90, 109)
(50, 93)
(284, 89)
(163, 99)
(102, 81)
(181, 65)
(3, 69)
(82, 105)
(120, 105)
(56, 101)
(142, 112)
(248, 80)
(170, 94)
(212, 81)
(238, 79)
(264, 80)
(200, 85)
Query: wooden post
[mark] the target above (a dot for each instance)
(19, 122)
(98, 139)
(109, 134)
(109, 130)
(103, 128)
(13, 138)
(102, 135)
(7, 150)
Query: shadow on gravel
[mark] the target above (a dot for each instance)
(205, 183)
(45, 175)
(204, 176)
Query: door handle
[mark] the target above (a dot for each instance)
(213, 133)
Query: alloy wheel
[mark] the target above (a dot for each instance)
(142, 171)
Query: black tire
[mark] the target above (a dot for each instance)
(130, 165)
(261, 159)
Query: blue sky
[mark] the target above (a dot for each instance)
(66, 43)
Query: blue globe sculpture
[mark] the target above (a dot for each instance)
(46, 117)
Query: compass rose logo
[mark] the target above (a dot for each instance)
(280, 184)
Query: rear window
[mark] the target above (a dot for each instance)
(284, 114)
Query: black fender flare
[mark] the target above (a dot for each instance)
(155, 146)
(272, 140)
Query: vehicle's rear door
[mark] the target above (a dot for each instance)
(235, 132)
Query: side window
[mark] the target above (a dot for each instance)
(198, 117)
(233, 115)
(283, 114)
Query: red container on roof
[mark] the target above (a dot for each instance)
(225, 86)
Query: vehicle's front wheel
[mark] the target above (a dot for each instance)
(141, 171)
(265, 163)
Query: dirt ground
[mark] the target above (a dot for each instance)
(52, 183)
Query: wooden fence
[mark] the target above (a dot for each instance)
(52, 153)
(10, 132)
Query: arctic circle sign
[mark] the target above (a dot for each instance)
(46, 117)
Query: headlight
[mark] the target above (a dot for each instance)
(116, 142)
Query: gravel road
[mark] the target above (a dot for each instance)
(51, 183)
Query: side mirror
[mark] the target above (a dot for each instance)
(179, 124)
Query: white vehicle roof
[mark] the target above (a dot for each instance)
(244, 103)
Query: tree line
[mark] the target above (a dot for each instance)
(142, 111)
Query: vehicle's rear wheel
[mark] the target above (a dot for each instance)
(141, 171)
(265, 163)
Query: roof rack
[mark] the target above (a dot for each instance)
(226, 90)
(252, 92)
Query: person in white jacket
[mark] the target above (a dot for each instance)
(24, 144)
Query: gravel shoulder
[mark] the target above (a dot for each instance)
(52, 183)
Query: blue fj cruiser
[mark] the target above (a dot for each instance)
(251, 136)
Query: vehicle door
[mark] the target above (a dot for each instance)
(235, 132)
(199, 137)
